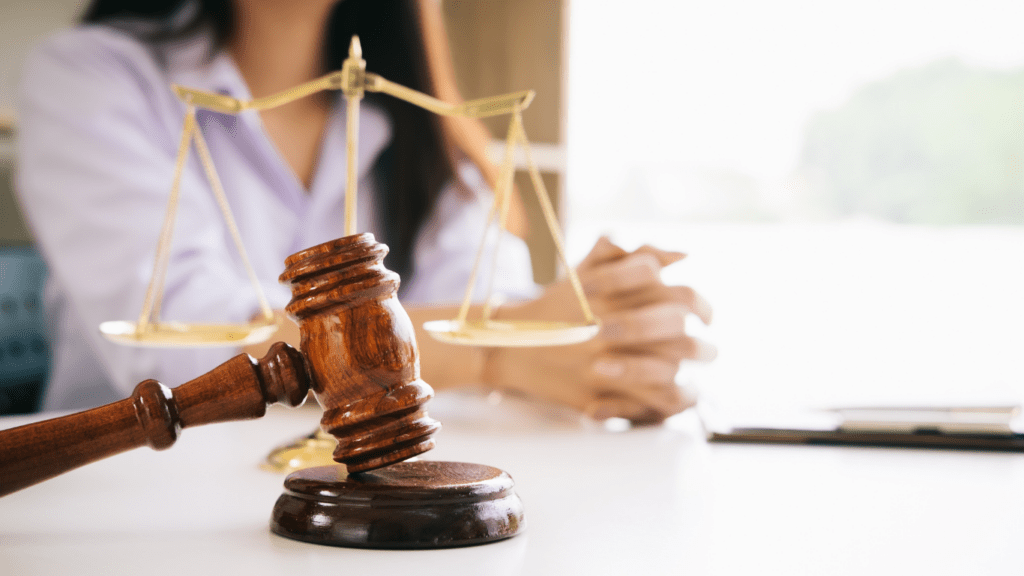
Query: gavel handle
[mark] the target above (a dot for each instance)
(239, 389)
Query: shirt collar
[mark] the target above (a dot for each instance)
(195, 63)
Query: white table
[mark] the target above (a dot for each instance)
(649, 501)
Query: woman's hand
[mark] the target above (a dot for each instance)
(628, 370)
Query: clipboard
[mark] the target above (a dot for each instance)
(993, 428)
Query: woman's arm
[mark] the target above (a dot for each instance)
(628, 370)
(446, 366)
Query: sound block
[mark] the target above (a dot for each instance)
(407, 505)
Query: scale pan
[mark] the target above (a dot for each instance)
(186, 335)
(510, 333)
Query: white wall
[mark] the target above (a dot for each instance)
(22, 24)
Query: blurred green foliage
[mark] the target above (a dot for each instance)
(940, 144)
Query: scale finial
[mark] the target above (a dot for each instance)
(355, 49)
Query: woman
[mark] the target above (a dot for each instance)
(99, 130)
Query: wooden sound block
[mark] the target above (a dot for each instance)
(406, 505)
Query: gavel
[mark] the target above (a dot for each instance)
(358, 357)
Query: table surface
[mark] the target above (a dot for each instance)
(656, 500)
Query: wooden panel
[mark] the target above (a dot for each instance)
(542, 247)
(506, 45)
(501, 46)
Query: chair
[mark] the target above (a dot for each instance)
(24, 353)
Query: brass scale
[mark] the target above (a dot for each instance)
(353, 80)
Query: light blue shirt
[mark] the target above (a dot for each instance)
(98, 134)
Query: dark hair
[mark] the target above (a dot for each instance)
(412, 171)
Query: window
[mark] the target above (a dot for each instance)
(846, 177)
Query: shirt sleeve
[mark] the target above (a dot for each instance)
(95, 168)
(447, 246)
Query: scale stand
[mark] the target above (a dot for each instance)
(353, 81)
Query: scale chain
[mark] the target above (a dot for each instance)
(222, 202)
(504, 192)
(552, 220)
(151, 303)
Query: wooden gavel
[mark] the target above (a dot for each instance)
(358, 356)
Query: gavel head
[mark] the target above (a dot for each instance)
(360, 348)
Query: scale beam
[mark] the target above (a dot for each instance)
(478, 108)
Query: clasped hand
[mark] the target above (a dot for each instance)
(628, 370)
